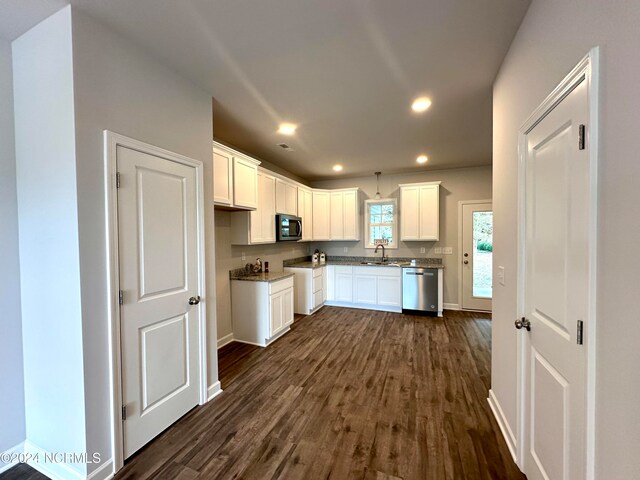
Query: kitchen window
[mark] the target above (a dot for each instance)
(381, 223)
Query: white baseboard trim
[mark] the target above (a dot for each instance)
(213, 391)
(11, 451)
(55, 471)
(103, 472)
(451, 306)
(507, 433)
(227, 339)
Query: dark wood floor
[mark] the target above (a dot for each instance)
(346, 394)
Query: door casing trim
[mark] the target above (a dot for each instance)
(586, 70)
(111, 142)
(461, 204)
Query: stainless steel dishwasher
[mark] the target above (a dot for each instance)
(420, 289)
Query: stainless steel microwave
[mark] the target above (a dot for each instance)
(288, 228)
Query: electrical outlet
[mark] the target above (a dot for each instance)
(244, 257)
(437, 250)
(345, 249)
(447, 250)
(500, 275)
(422, 250)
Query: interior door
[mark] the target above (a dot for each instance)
(477, 256)
(556, 290)
(158, 252)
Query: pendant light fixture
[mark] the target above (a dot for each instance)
(377, 174)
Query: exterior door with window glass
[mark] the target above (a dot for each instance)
(477, 256)
(381, 225)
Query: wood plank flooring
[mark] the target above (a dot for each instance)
(347, 394)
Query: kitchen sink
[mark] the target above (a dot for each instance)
(371, 263)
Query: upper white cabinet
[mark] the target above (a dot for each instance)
(235, 179)
(344, 215)
(259, 225)
(305, 211)
(420, 211)
(321, 226)
(286, 197)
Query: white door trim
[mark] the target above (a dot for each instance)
(587, 70)
(111, 142)
(461, 204)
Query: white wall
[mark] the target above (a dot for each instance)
(229, 257)
(553, 37)
(48, 227)
(12, 420)
(120, 88)
(457, 184)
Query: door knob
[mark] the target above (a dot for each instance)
(466, 262)
(523, 323)
(194, 300)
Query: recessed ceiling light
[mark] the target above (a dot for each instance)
(422, 159)
(287, 128)
(337, 168)
(421, 104)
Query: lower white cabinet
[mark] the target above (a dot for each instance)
(309, 287)
(375, 288)
(261, 311)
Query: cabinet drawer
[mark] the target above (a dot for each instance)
(280, 285)
(317, 284)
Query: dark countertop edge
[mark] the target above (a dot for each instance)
(358, 264)
(264, 277)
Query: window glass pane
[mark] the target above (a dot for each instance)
(482, 254)
(386, 233)
(376, 209)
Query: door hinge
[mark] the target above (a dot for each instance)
(124, 412)
(580, 332)
(117, 179)
(121, 297)
(581, 137)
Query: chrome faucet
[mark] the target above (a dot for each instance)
(384, 259)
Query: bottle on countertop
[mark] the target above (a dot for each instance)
(316, 256)
(266, 266)
(323, 257)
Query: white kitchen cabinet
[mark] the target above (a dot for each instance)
(222, 177)
(420, 211)
(309, 288)
(305, 211)
(235, 179)
(375, 288)
(344, 215)
(321, 213)
(261, 311)
(257, 226)
(286, 197)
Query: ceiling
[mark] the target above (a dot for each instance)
(344, 71)
(18, 16)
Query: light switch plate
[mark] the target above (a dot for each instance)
(447, 250)
(345, 249)
(437, 250)
(422, 250)
(244, 257)
(500, 275)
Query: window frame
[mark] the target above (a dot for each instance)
(367, 222)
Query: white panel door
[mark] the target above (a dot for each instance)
(157, 223)
(343, 286)
(222, 177)
(556, 286)
(477, 257)
(263, 219)
(305, 210)
(287, 307)
(365, 289)
(390, 291)
(336, 216)
(409, 213)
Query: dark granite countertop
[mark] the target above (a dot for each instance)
(366, 262)
(261, 277)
